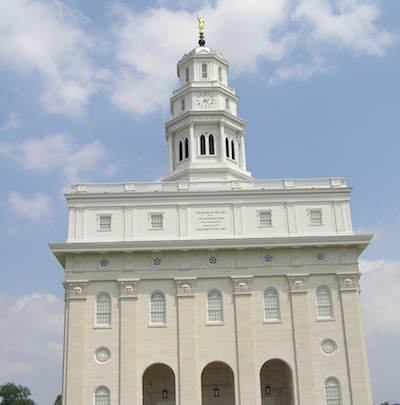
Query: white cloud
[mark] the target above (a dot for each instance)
(59, 151)
(48, 40)
(52, 41)
(380, 285)
(300, 71)
(12, 122)
(349, 24)
(31, 335)
(36, 208)
(295, 37)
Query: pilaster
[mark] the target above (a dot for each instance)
(188, 390)
(247, 378)
(355, 345)
(74, 341)
(302, 339)
(128, 289)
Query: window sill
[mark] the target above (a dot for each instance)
(272, 321)
(102, 327)
(325, 319)
(159, 325)
(215, 324)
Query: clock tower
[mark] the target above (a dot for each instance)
(205, 136)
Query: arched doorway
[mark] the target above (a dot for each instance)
(276, 383)
(217, 385)
(159, 385)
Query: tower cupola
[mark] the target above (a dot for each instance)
(205, 136)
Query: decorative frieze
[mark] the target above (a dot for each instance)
(128, 288)
(75, 289)
(297, 283)
(185, 286)
(242, 285)
(348, 281)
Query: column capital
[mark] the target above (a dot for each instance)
(128, 288)
(297, 283)
(185, 286)
(75, 289)
(349, 281)
(242, 285)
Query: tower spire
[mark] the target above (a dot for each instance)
(201, 21)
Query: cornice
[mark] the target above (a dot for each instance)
(60, 250)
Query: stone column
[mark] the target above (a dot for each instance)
(188, 386)
(359, 379)
(130, 387)
(170, 152)
(192, 146)
(304, 376)
(222, 155)
(74, 342)
(242, 162)
(247, 381)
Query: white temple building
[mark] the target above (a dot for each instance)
(211, 287)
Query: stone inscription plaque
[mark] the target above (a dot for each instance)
(211, 220)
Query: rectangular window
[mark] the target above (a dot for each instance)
(315, 217)
(156, 221)
(264, 218)
(183, 104)
(227, 105)
(187, 75)
(104, 222)
(220, 73)
(204, 74)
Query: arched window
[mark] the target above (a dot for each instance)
(227, 147)
(103, 309)
(211, 144)
(233, 149)
(157, 308)
(202, 145)
(332, 392)
(324, 302)
(102, 396)
(180, 151)
(186, 148)
(214, 307)
(271, 304)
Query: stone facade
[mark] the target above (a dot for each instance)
(211, 287)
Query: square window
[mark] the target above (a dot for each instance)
(315, 217)
(104, 222)
(156, 221)
(264, 218)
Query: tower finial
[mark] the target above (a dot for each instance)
(200, 19)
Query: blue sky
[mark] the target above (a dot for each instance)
(85, 90)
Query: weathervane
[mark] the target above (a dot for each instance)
(202, 41)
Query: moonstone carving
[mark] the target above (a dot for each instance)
(242, 285)
(75, 289)
(298, 283)
(349, 281)
(185, 287)
(128, 288)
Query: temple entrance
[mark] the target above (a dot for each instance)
(276, 383)
(159, 385)
(217, 385)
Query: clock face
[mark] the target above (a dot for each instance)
(205, 100)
